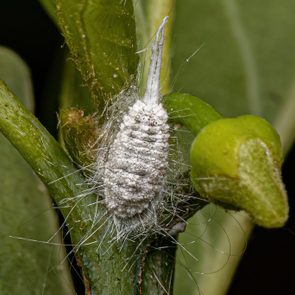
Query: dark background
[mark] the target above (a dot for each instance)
(267, 266)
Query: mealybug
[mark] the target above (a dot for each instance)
(137, 160)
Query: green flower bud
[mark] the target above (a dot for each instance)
(78, 134)
(236, 162)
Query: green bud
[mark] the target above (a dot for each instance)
(236, 163)
(78, 134)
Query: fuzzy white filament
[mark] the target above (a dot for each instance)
(137, 161)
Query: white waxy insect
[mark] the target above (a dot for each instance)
(137, 161)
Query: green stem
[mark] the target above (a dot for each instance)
(158, 268)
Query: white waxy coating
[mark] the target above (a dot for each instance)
(137, 160)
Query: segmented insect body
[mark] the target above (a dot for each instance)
(134, 174)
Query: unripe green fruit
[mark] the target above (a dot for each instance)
(236, 162)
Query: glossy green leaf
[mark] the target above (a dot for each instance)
(102, 41)
(238, 56)
(29, 265)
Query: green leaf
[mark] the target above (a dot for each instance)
(29, 265)
(17, 76)
(245, 65)
(210, 251)
(102, 41)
